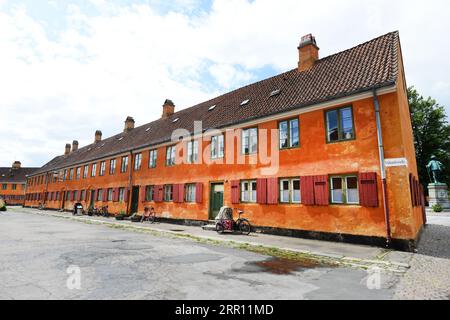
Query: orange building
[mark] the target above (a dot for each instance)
(322, 151)
(13, 183)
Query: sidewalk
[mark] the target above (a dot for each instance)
(358, 256)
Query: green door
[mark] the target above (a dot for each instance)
(216, 201)
(134, 200)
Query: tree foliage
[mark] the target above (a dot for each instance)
(431, 134)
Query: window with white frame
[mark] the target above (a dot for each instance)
(290, 190)
(250, 141)
(71, 174)
(289, 133)
(124, 164)
(189, 194)
(192, 151)
(137, 161)
(110, 194)
(168, 193)
(217, 147)
(65, 174)
(344, 189)
(102, 168)
(149, 193)
(152, 158)
(248, 191)
(85, 171)
(94, 170)
(170, 155)
(112, 166)
(100, 195)
(121, 194)
(78, 174)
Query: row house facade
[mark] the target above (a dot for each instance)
(324, 150)
(13, 183)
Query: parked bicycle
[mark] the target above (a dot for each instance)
(226, 224)
(104, 212)
(149, 215)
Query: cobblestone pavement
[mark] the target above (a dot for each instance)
(429, 275)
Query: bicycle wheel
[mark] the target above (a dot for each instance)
(245, 227)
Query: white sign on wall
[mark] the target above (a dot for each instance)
(397, 162)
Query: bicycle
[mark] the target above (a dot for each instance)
(230, 226)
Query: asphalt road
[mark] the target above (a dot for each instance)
(37, 252)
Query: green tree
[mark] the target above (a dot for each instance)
(431, 134)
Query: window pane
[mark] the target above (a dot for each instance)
(294, 133)
(337, 192)
(352, 190)
(332, 126)
(221, 146)
(283, 134)
(253, 140)
(245, 141)
(347, 123)
(296, 197)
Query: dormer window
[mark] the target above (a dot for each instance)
(245, 102)
(275, 92)
(212, 108)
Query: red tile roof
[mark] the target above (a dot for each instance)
(373, 64)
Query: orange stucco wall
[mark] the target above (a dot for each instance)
(313, 157)
(13, 197)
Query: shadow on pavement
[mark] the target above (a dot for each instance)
(435, 241)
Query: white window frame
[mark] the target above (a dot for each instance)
(248, 140)
(170, 156)
(85, 171)
(192, 151)
(344, 182)
(251, 193)
(124, 164)
(137, 161)
(94, 169)
(78, 174)
(168, 193)
(102, 168)
(290, 190)
(112, 166)
(153, 156)
(217, 146)
(190, 192)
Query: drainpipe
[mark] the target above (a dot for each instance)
(382, 167)
(130, 182)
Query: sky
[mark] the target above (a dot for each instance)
(68, 68)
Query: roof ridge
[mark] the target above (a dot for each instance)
(360, 45)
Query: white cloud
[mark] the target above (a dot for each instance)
(128, 59)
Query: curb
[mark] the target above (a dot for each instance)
(392, 266)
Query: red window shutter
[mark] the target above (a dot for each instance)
(95, 194)
(116, 194)
(368, 190)
(105, 195)
(417, 193)
(143, 188)
(272, 191)
(411, 188)
(261, 191)
(199, 192)
(321, 196)
(125, 195)
(307, 190)
(181, 193)
(235, 191)
(176, 193)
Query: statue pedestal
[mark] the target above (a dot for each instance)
(438, 194)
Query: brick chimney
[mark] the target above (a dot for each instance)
(308, 52)
(129, 124)
(74, 145)
(98, 136)
(67, 150)
(16, 165)
(168, 109)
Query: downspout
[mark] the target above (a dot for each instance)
(382, 168)
(130, 182)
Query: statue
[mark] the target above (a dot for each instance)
(434, 168)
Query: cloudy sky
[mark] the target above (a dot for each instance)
(68, 68)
